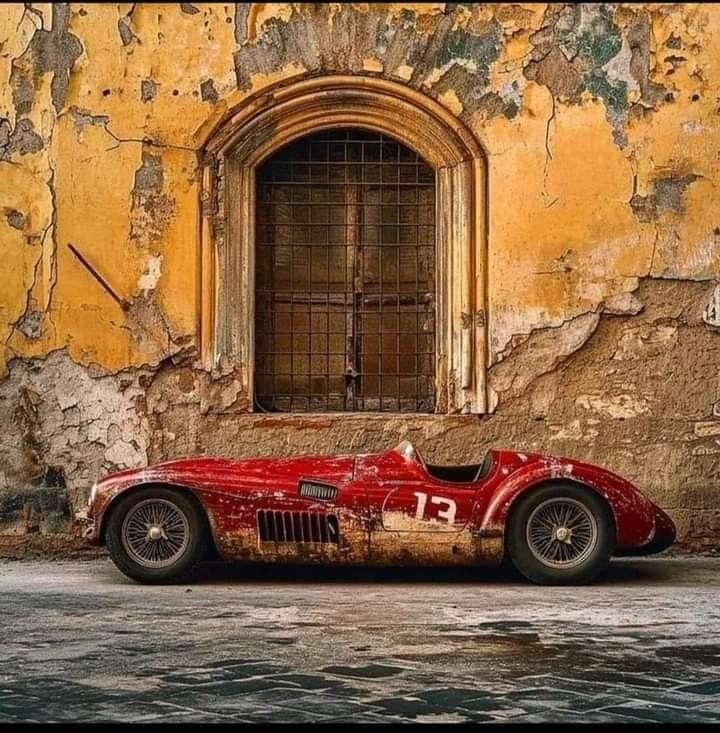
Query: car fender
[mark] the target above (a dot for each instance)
(223, 488)
(634, 514)
(111, 498)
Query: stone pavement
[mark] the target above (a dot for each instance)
(79, 642)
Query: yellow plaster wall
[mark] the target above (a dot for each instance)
(563, 235)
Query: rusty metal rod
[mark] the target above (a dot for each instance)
(124, 304)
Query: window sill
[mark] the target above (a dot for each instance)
(364, 416)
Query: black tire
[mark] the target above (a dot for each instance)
(595, 555)
(179, 567)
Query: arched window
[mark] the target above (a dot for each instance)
(345, 276)
(344, 253)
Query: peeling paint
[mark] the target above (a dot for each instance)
(151, 275)
(16, 219)
(152, 208)
(148, 90)
(124, 27)
(22, 140)
(618, 406)
(208, 93)
(711, 315)
(55, 51)
(622, 304)
(667, 196)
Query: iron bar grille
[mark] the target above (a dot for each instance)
(345, 277)
(279, 526)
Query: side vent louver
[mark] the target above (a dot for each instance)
(278, 526)
(314, 490)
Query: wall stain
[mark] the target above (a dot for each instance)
(666, 196)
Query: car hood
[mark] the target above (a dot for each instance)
(219, 473)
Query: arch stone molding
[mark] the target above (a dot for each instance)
(273, 118)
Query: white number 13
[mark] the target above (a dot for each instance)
(448, 513)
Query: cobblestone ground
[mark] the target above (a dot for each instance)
(81, 643)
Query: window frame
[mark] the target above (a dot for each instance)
(268, 121)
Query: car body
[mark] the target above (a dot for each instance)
(387, 508)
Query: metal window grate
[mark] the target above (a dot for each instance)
(345, 276)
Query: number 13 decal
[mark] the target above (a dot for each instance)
(448, 513)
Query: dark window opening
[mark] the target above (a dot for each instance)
(345, 277)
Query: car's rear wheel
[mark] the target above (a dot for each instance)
(561, 534)
(157, 535)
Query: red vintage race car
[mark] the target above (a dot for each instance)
(556, 520)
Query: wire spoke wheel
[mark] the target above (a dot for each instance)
(561, 532)
(155, 533)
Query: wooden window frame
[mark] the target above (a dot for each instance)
(270, 120)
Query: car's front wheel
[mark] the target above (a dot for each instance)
(157, 535)
(561, 534)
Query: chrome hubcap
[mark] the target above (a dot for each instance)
(561, 533)
(155, 533)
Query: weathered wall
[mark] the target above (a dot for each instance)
(600, 125)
